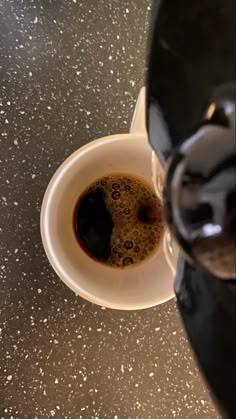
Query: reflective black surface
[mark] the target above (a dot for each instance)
(192, 53)
(200, 192)
(192, 59)
(208, 308)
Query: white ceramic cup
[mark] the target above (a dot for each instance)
(140, 286)
(171, 248)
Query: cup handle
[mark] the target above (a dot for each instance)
(138, 124)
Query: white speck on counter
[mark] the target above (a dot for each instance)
(9, 377)
(151, 374)
(56, 342)
(15, 142)
(157, 329)
(35, 19)
(122, 368)
(56, 381)
(33, 176)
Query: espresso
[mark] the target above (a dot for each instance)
(118, 220)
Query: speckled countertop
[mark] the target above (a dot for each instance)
(70, 72)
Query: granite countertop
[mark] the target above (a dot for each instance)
(70, 72)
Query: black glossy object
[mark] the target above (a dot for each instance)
(192, 54)
(190, 100)
(208, 310)
(200, 191)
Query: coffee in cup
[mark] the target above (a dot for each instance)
(118, 220)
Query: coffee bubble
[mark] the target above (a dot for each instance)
(127, 211)
(115, 195)
(127, 188)
(128, 261)
(128, 244)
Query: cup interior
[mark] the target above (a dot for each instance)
(142, 285)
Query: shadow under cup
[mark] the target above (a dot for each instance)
(143, 285)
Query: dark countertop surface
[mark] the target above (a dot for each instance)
(70, 72)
